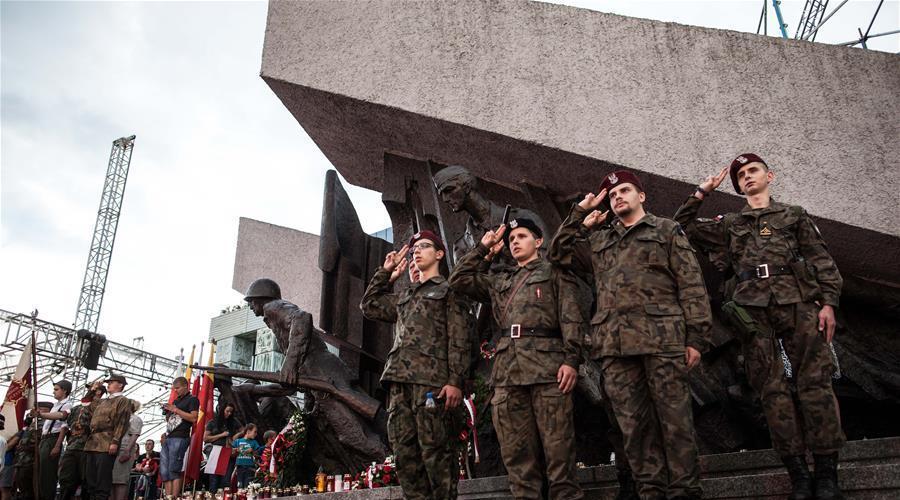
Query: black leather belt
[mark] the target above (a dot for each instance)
(764, 271)
(517, 331)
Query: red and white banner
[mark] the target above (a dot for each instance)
(217, 463)
(19, 396)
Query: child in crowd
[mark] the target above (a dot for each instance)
(247, 450)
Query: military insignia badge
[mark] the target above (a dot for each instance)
(765, 231)
(741, 159)
(613, 178)
(513, 224)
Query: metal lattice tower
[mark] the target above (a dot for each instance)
(813, 12)
(100, 255)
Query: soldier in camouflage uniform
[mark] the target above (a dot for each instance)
(72, 463)
(790, 286)
(536, 361)
(651, 324)
(430, 357)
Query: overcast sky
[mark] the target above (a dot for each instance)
(213, 144)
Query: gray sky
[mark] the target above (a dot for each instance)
(213, 144)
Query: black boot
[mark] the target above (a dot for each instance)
(627, 485)
(826, 477)
(801, 480)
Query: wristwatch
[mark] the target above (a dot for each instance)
(702, 191)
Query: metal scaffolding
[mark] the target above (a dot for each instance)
(812, 15)
(149, 375)
(88, 315)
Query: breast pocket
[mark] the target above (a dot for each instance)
(653, 251)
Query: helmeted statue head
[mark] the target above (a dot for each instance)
(454, 183)
(260, 292)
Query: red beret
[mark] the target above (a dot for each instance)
(739, 162)
(620, 177)
(427, 235)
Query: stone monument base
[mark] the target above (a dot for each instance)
(869, 470)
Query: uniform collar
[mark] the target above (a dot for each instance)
(774, 206)
(648, 219)
(531, 265)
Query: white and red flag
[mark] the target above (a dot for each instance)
(19, 396)
(217, 463)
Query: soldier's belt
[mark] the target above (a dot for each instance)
(764, 271)
(517, 331)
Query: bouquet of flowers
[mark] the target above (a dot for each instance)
(281, 457)
(379, 475)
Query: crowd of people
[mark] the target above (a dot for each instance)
(647, 325)
(89, 449)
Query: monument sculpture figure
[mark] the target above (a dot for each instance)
(347, 424)
(458, 188)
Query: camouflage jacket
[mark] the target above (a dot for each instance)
(109, 423)
(546, 300)
(651, 298)
(24, 456)
(79, 422)
(776, 235)
(432, 325)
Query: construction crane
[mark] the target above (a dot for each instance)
(88, 315)
(812, 15)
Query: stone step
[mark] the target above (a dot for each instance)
(869, 470)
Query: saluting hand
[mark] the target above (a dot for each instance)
(491, 238)
(592, 201)
(393, 259)
(401, 268)
(714, 181)
(566, 376)
(594, 218)
(827, 323)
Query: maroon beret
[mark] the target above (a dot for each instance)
(739, 162)
(426, 235)
(620, 177)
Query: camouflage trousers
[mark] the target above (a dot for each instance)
(652, 404)
(537, 436)
(812, 419)
(425, 443)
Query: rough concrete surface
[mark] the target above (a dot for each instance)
(288, 256)
(481, 83)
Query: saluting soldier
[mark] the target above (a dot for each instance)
(109, 423)
(650, 327)
(789, 285)
(426, 368)
(536, 361)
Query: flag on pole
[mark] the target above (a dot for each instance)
(19, 395)
(195, 451)
(217, 463)
(187, 375)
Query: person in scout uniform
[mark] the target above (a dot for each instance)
(650, 327)
(788, 286)
(73, 462)
(426, 368)
(536, 361)
(109, 423)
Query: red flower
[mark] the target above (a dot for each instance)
(387, 468)
(386, 478)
